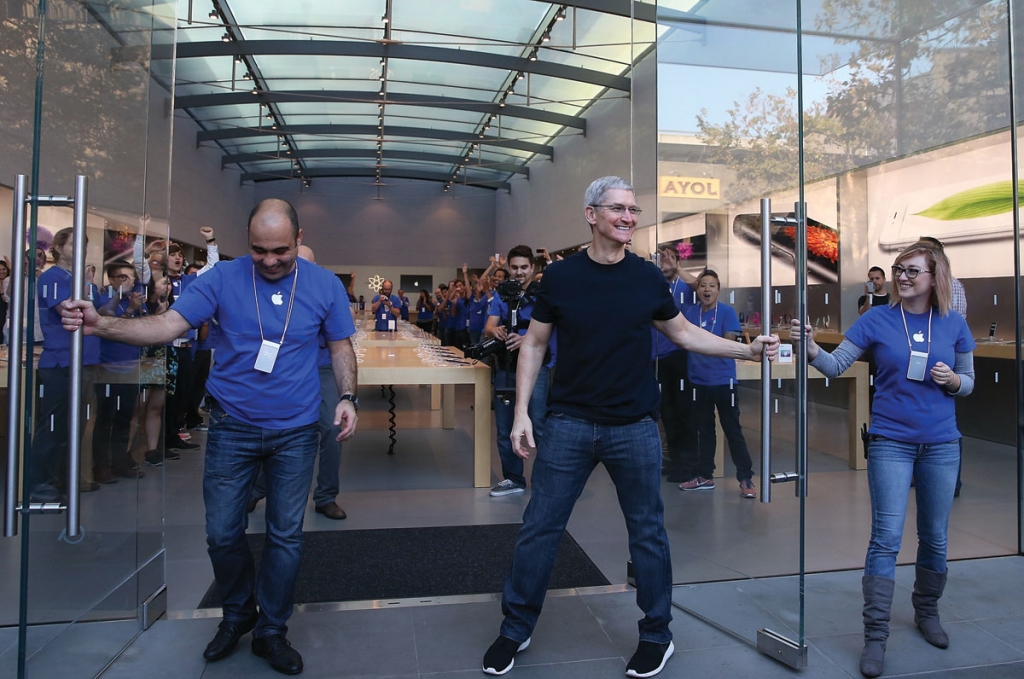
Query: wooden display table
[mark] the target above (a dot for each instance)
(390, 365)
(860, 412)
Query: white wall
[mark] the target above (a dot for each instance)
(413, 227)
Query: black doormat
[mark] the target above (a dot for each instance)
(404, 563)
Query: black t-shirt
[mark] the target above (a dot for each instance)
(602, 314)
(876, 300)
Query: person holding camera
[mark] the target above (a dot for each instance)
(386, 308)
(924, 356)
(875, 293)
(507, 321)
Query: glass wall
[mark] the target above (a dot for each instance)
(890, 121)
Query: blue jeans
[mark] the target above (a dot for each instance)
(572, 449)
(504, 415)
(891, 465)
(235, 451)
(329, 458)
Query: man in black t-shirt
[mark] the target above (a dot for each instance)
(603, 407)
(875, 291)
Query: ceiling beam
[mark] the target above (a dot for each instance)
(440, 158)
(371, 131)
(314, 173)
(374, 50)
(391, 98)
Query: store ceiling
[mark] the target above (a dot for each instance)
(448, 91)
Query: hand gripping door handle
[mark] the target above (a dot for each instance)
(766, 366)
(16, 340)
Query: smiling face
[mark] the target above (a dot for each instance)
(272, 244)
(707, 291)
(915, 290)
(522, 270)
(613, 229)
(175, 259)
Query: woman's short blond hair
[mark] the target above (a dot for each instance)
(938, 263)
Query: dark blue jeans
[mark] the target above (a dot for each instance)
(891, 465)
(235, 451)
(723, 398)
(572, 449)
(504, 415)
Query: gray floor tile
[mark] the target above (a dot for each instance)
(1009, 630)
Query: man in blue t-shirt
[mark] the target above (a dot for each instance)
(386, 308)
(499, 320)
(602, 408)
(404, 304)
(272, 309)
(714, 386)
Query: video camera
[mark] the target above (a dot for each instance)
(512, 293)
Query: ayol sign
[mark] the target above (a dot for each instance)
(690, 187)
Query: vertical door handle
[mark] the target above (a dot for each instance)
(766, 366)
(800, 209)
(73, 528)
(16, 340)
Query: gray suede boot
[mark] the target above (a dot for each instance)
(877, 607)
(928, 588)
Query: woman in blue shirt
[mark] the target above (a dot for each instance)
(924, 356)
(425, 312)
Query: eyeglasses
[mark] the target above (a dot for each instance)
(618, 210)
(898, 271)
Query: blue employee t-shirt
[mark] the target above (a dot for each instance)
(478, 313)
(52, 288)
(384, 314)
(423, 313)
(710, 371)
(457, 316)
(684, 297)
(290, 395)
(908, 410)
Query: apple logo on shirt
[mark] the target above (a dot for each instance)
(278, 299)
(918, 336)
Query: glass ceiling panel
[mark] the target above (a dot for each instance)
(438, 73)
(439, 91)
(518, 19)
(555, 90)
(305, 142)
(433, 114)
(258, 147)
(328, 68)
(327, 107)
(314, 163)
(298, 14)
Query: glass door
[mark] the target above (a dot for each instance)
(86, 140)
(731, 216)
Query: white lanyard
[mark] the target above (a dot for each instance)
(907, 330)
(291, 302)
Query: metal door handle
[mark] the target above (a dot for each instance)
(766, 366)
(73, 529)
(15, 375)
(15, 370)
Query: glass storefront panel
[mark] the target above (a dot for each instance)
(89, 132)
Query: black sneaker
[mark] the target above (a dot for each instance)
(649, 659)
(180, 445)
(507, 487)
(154, 458)
(501, 656)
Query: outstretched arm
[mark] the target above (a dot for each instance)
(141, 332)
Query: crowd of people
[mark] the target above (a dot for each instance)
(573, 387)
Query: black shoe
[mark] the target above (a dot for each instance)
(250, 506)
(45, 493)
(154, 458)
(228, 634)
(279, 653)
(180, 445)
(501, 656)
(649, 659)
(332, 511)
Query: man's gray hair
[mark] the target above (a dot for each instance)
(599, 187)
